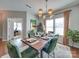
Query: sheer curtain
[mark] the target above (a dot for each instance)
(59, 26)
(49, 25)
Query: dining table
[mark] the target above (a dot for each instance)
(38, 43)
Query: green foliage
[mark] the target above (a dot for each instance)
(74, 35)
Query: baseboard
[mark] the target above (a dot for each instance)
(74, 46)
(1, 39)
(4, 40)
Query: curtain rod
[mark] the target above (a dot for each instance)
(62, 12)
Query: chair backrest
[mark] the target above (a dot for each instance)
(52, 44)
(13, 53)
(31, 34)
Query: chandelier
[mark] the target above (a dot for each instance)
(48, 13)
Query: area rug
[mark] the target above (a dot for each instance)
(61, 51)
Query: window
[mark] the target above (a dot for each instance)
(49, 25)
(18, 26)
(59, 26)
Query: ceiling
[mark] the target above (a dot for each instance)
(23, 5)
(54, 4)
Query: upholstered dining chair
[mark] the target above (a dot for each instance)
(31, 34)
(14, 52)
(50, 46)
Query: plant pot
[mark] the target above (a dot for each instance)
(73, 43)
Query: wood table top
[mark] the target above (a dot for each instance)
(38, 44)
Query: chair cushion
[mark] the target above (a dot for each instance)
(29, 53)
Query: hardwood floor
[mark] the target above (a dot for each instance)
(75, 52)
(3, 50)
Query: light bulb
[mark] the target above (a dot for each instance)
(50, 11)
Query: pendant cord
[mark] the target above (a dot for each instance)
(46, 5)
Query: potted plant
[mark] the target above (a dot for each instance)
(73, 35)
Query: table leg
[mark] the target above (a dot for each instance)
(41, 54)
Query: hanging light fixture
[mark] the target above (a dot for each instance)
(40, 12)
(47, 14)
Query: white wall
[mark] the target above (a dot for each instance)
(74, 18)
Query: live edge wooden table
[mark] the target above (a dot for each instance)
(38, 44)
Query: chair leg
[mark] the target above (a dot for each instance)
(38, 56)
(48, 55)
(53, 54)
(41, 54)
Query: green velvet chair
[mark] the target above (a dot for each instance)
(14, 52)
(31, 34)
(50, 46)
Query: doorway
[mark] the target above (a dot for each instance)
(14, 28)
